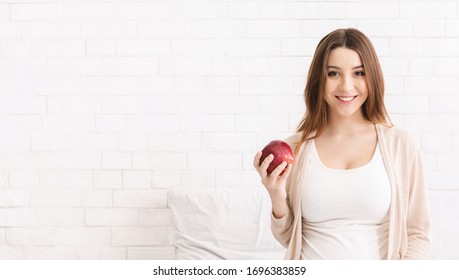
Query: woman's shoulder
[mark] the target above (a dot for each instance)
(396, 136)
(293, 139)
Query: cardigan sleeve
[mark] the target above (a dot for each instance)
(418, 217)
(282, 228)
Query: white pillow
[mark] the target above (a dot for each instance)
(223, 223)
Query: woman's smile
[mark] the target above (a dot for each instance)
(346, 99)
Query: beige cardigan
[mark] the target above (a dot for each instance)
(409, 226)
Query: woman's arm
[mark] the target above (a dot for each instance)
(275, 184)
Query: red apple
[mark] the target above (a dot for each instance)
(281, 152)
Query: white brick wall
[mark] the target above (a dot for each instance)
(104, 105)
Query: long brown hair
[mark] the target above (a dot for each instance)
(315, 118)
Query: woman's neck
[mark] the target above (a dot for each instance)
(347, 126)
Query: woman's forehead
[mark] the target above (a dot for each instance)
(344, 58)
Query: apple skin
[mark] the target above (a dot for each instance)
(281, 152)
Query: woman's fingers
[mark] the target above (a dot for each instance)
(274, 180)
(285, 175)
(278, 170)
(266, 162)
(256, 160)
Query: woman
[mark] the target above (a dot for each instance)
(356, 190)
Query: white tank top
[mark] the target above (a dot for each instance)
(345, 212)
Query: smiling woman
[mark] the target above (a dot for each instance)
(345, 87)
(356, 189)
(343, 48)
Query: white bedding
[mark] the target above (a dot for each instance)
(222, 223)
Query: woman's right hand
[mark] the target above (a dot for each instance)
(275, 183)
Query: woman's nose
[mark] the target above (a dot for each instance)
(347, 83)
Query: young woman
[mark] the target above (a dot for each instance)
(356, 190)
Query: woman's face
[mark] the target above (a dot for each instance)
(345, 86)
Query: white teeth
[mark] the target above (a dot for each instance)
(346, 99)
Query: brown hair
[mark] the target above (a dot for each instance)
(373, 108)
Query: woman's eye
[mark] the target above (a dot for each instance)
(360, 73)
(333, 74)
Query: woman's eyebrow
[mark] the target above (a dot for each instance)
(336, 67)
